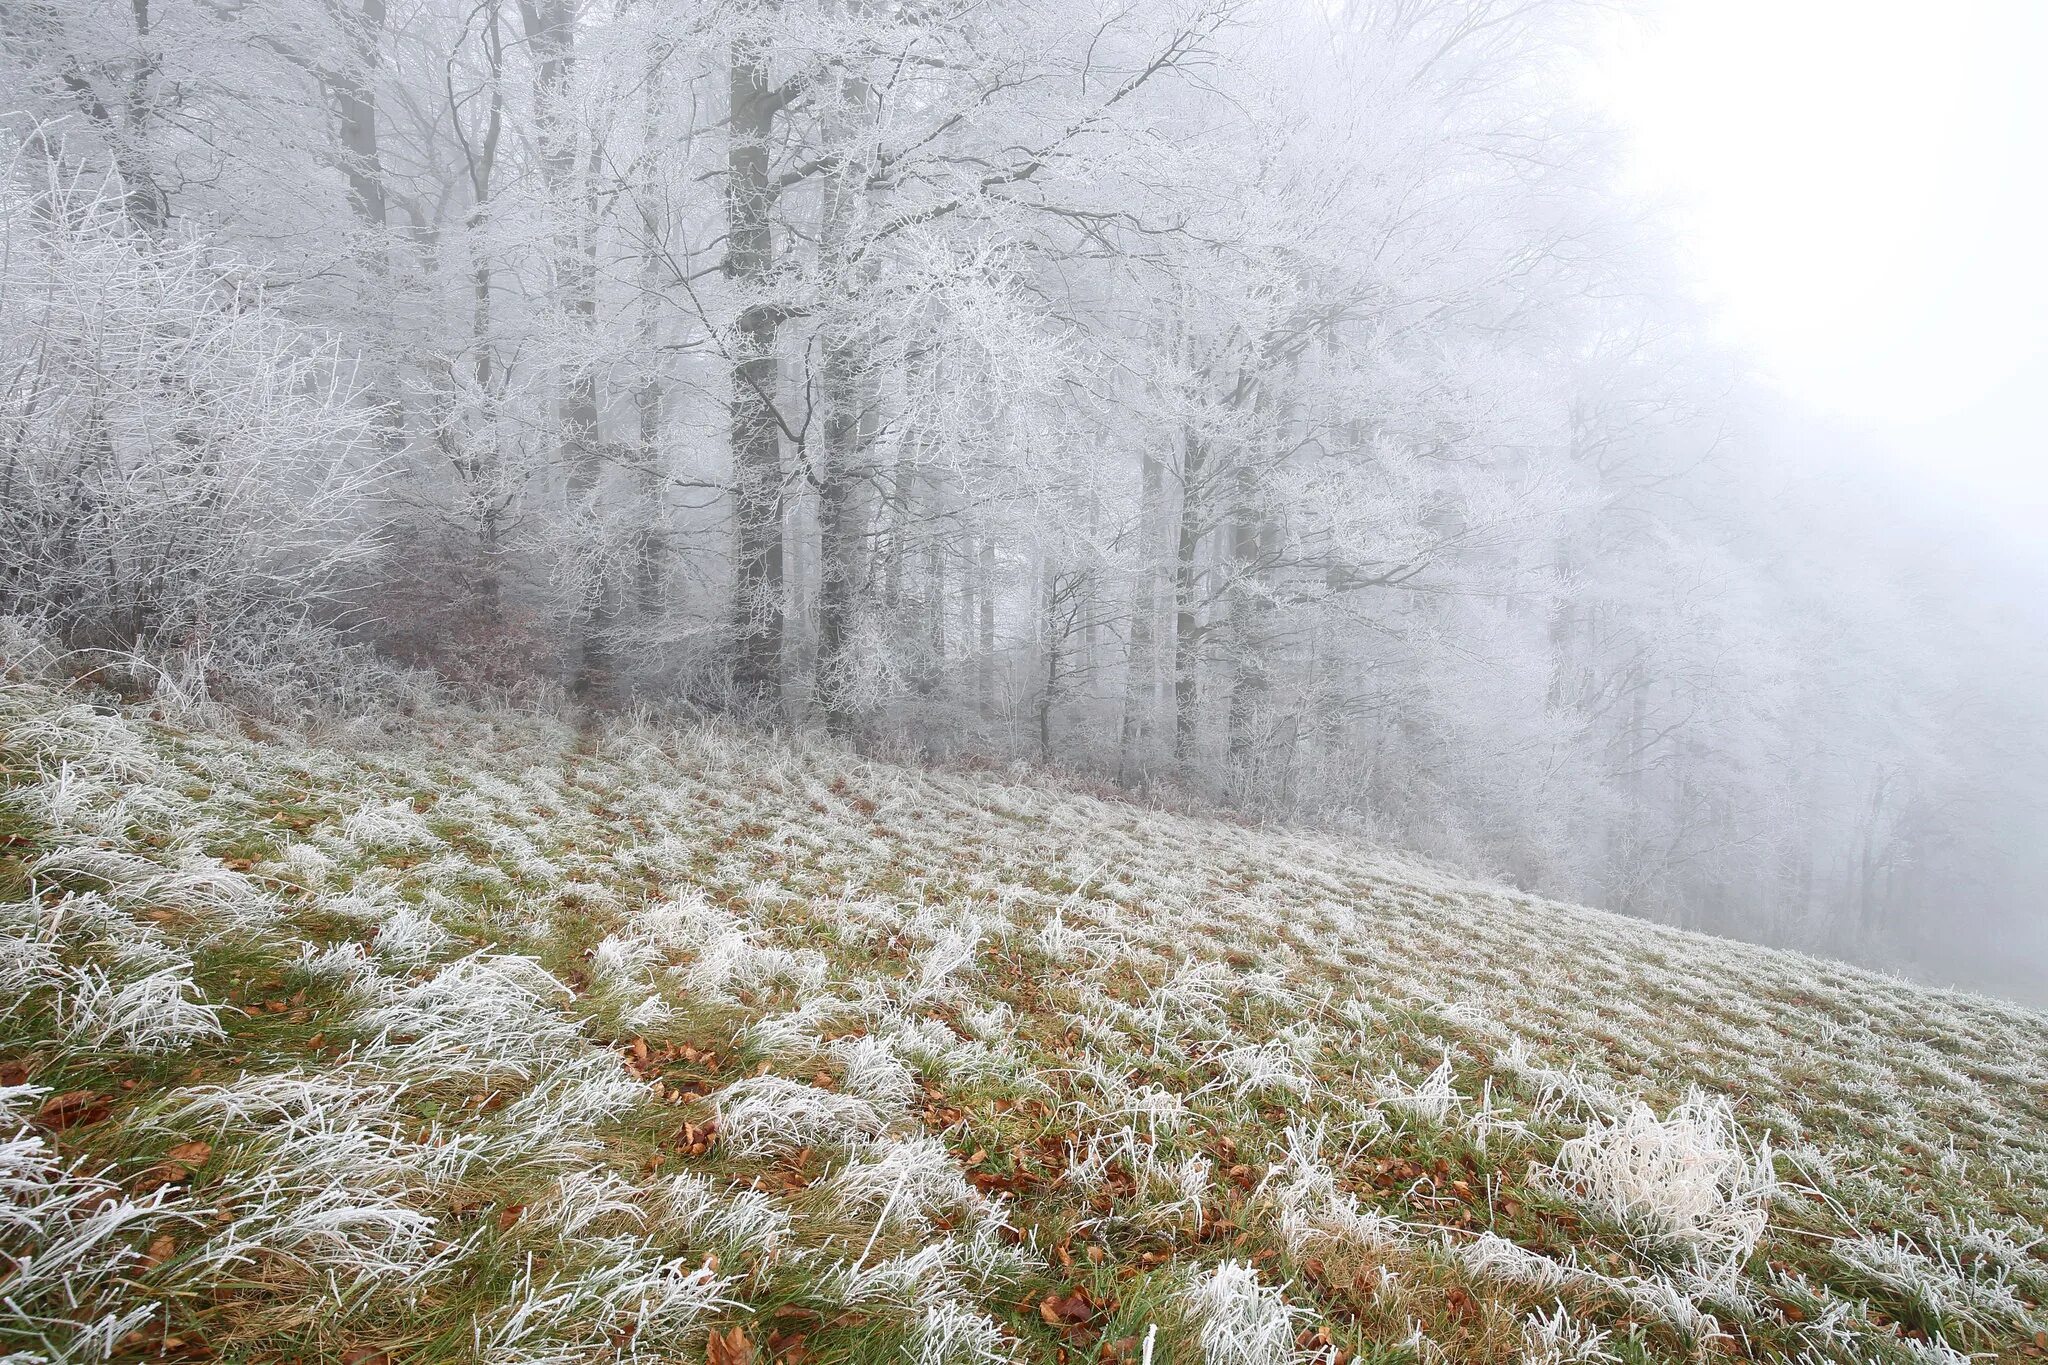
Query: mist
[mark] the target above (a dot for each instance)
(1440, 423)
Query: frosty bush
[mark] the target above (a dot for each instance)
(175, 459)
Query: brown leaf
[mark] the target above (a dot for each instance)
(730, 1347)
(70, 1109)
(161, 1249)
(365, 1355)
(510, 1214)
(162, 1174)
(194, 1154)
(1073, 1309)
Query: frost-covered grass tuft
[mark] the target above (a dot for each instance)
(1553, 1338)
(764, 1115)
(1690, 1180)
(1241, 1321)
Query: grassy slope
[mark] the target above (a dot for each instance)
(481, 1045)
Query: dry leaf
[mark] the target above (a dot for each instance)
(194, 1154)
(70, 1109)
(162, 1174)
(730, 1347)
(1072, 1309)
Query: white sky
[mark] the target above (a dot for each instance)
(1859, 187)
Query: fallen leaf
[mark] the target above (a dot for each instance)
(1072, 1309)
(193, 1154)
(162, 1174)
(730, 1347)
(161, 1249)
(70, 1109)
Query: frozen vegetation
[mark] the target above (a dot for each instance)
(465, 1037)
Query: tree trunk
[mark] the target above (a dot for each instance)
(650, 559)
(1052, 641)
(1187, 621)
(1251, 545)
(842, 378)
(355, 101)
(144, 198)
(985, 585)
(483, 467)
(551, 34)
(1141, 661)
(758, 613)
(934, 592)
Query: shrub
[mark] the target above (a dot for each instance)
(175, 458)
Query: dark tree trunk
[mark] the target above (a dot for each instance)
(842, 381)
(758, 612)
(355, 100)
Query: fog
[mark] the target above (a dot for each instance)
(1595, 450)
(1854, 190)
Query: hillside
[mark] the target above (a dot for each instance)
(461, 1040)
